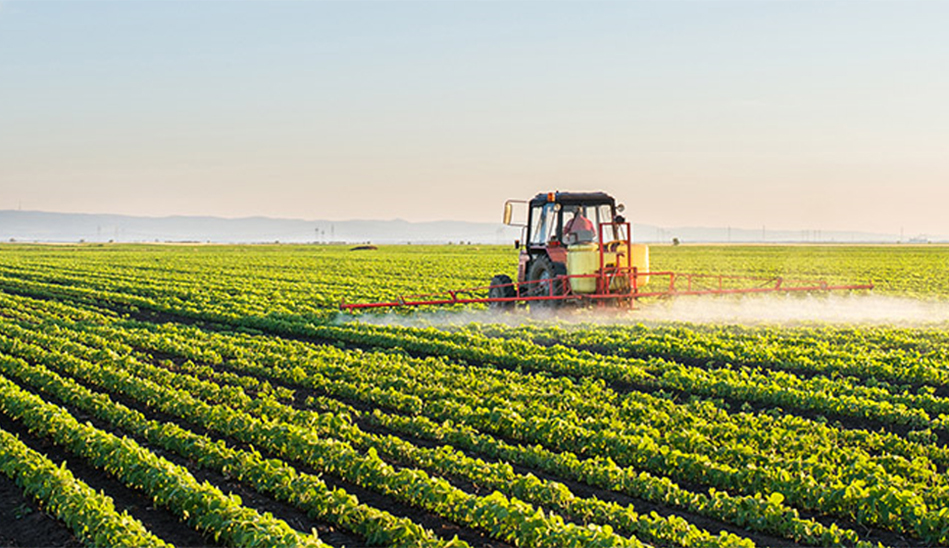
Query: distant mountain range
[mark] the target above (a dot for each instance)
(38, 226)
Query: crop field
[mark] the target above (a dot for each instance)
(214, 396)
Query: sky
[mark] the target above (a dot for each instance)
(815, 115)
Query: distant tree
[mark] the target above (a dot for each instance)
(675, 241)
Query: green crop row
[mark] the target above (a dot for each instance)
(444, 461)
(423, 341)
(898, 356)
(90, 515)
(510, 519)
(526, 425)
(310, 378)
(200, 504)
(724, 470)
(550, 495)
(138, 372)
(312, 279)
(836, 397)
(273, 476)
(818, 494)
(553, 495)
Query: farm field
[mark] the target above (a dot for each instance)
(213, 395)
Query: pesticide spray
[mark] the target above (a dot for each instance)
(774, 309)
(800, 309)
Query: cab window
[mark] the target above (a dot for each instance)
(544, 219)
(597, 214)
(604, 214)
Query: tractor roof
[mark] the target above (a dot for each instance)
(573, 198)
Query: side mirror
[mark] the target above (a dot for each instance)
(509, 218)
(517, 244)
(620, 208)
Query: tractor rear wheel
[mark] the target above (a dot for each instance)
(544, 272)
(501, 288)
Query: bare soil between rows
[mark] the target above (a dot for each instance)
(26, 524)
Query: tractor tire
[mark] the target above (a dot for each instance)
(544, 271)
(506, 291)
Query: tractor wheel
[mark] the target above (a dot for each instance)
(506, 290)
(543, 272)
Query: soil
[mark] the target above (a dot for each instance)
(24, 523)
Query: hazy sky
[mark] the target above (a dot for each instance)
(796, 115)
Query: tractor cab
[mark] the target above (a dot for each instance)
(572, 219)
(568, 240)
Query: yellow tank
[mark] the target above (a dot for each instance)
(641, 262)
(617, 259)
(583, 259)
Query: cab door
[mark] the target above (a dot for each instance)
(542, 228)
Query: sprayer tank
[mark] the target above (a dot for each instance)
(583, 259)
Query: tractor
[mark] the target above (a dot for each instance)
(572, 244)
(576, 248)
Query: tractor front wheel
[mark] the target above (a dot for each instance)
(501, 288)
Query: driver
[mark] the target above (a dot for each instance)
(578, 224)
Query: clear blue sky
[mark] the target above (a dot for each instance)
(797, 115)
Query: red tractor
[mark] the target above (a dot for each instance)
(573, 244)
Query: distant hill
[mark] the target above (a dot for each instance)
(72, 227)
(38, 226)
